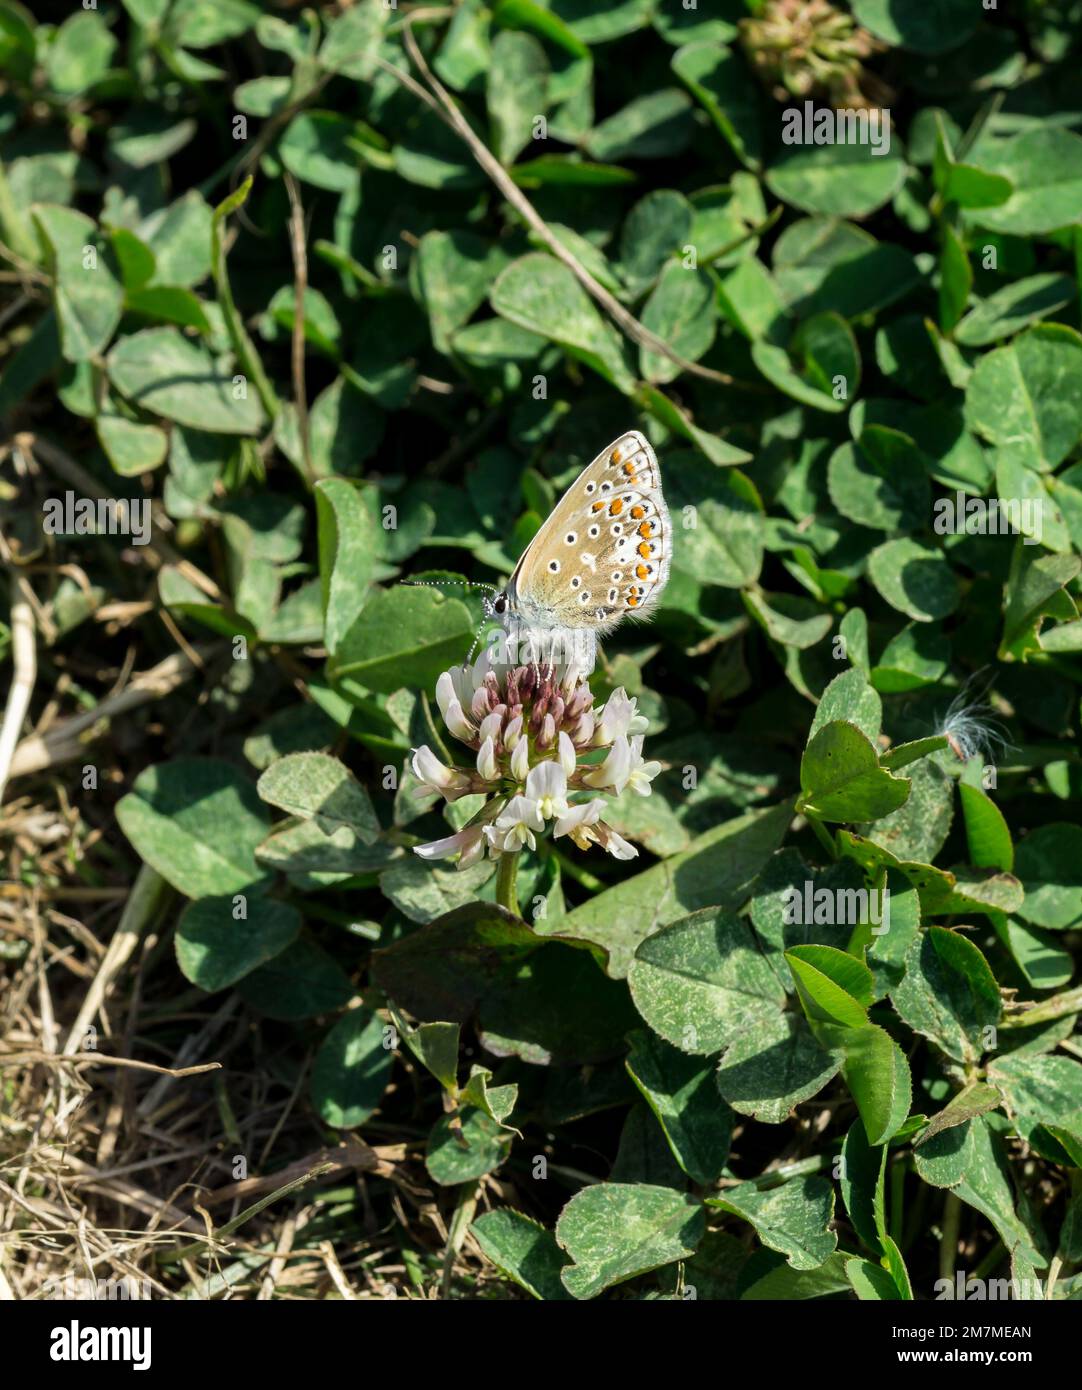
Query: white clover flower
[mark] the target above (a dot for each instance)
(615, 844)
(578, 822)
(641, 774)
(514, 827)
(528, 728)
(451, 708)
(619, 719)
(612, 774)
(583, 825)
(468, 844)
(546, 787)
(582, 731)
(490, 727)
(487, 765)
(520, 760)
(434, 776)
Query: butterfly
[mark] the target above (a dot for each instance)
(603, 554)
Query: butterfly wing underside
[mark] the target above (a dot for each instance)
(604, 552)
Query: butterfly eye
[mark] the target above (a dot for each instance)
(500, 606)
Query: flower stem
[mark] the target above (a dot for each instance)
(948, 1239)
(826, 839)
(575, 871)
(505, 882)
(1070, 1002)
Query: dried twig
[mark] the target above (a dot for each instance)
(334, 1269)
(25, 663)
(215, 1237)
(300, 288)
(97, 1059)
(63, 742)
(189, 1050)
(445, 108)
(139, 911)
(288, 1235)
(353, 1155)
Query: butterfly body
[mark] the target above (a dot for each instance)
(603, 554)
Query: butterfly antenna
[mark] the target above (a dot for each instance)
(463, 583)
(449, 583)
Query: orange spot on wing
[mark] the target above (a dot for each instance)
(638, 512)
(643, 548)
(616, 508)
(641, 571)
(632, 601)
(616, 455)
(598, 507)
(644, 529)
(629, 468)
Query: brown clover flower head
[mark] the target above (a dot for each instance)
(805, 48)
